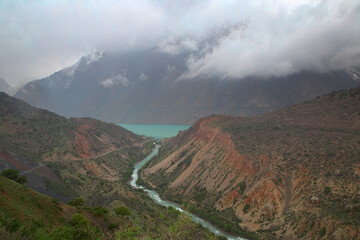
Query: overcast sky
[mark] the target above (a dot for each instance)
(265, 37)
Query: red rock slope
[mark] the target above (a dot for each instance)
(293, 173)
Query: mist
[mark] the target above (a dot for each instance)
(257, 38)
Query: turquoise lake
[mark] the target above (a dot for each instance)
(155, 130)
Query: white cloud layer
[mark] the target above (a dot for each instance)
(38, 38)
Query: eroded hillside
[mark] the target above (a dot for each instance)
(293, 173)
(82, 159)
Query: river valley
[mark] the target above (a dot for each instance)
(155, 196)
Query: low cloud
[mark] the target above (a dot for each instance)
(176, 46)
(143, 77)
(116, 80)
(280, 37)
(319, 38)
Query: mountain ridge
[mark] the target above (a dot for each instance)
(143, 87)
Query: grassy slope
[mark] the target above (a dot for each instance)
(26, 214)
(22, 209)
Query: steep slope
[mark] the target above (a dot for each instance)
(31, 138)
(25, 211)
(41, 134)
(143, 87)
(292, 173)
(26, 214)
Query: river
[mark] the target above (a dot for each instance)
(155, 196)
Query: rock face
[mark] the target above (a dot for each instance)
(143, 87)
(275, 174)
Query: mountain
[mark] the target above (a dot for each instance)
(41, 134)
(84, 161)
(146, 87)
(5, 87)
(32, 138)
(288, 174)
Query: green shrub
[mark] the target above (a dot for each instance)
(82, 229)
(13, 174)
(86, 232)
(327, 190)
(61, 233)
(77, 202)
(113, 226)
(246, 208)
(243, 186)
(122, 211)
(100, 211)
(79, 220)
(322, 232)
(129, 233)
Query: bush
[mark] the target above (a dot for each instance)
(13, 174)
(129, 232)
(122, 211)
(76, 202)
(246, 208)
(322, 232)
(82, 229)
(86, 232)
(327, 190)
(61, 233)
(113, 226)
(243, 186)
(79, 220)
(100, 211)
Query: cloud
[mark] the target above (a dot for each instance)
(320, 38)
(116, 80)
(176, 46)
(38, 38)
(143, 77)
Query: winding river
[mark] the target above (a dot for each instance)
(155, 196)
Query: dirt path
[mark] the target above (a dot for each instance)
(101, 155)
(32, 169)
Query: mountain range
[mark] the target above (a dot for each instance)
(148, 86)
